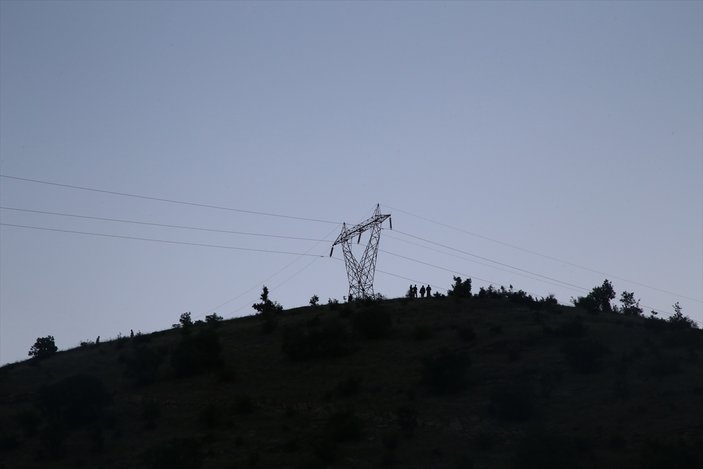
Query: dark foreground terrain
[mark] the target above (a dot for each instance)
(425, 383)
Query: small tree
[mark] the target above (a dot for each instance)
(43, 347)
(213, 318)
(630, 306)
(598, 300)
(314, 300)
(679, 320)
(266, 305)
(460, 289)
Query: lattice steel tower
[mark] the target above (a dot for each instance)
(360, 272)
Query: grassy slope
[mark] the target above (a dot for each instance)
(264, 409)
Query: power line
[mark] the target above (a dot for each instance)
(263, 282)
(453, 271)
(493, 261)
(482, 263)
(162, 225)
(160, 240)
(172, 201)
(546, 256)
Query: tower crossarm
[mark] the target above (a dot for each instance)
(376, 219)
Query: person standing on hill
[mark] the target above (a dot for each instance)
(428, 290)
(422, 291)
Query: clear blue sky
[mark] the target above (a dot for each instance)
(571, 129)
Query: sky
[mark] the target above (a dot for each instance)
(544, 145)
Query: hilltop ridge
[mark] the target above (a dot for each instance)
(489, 382)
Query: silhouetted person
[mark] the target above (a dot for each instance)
(422, 291)
(97, 341)
(414, 291)
(131, 333)
(428, 290)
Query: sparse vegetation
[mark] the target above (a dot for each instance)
(446, 373)
(376, 383)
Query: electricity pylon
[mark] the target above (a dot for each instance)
(360, 272)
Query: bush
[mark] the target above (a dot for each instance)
(466, 333)
(346, 387)
(585, 356)
(446, 372)
(598, 300)
(142, 366)
(422, 332)
(460, 289)
(512, 402)
(674, 454)
(539, 451)
(197, 354)
(243, 405)
(572, 328)
(372, 322)
(266, 306)
(182, 453)
(151, 411)
(28, 421)
(73, 401)
(344, 426)
(213, 319)
(44, 347)
(406, 417)
(329, 339)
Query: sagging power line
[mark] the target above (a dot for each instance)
(545, 256)
(160, 225)
(164, 241)
(171, 201)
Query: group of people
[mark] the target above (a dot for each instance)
(412, 291)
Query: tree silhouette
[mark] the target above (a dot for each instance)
(266, 305)
(460, 289)
(630, 306)
(43, 347)
(598, 300)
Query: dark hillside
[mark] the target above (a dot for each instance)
(422, 383)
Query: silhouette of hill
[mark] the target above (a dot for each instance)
(498, 381)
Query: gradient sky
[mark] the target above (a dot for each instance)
(569, 129)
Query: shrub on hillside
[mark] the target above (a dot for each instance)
(372, 321)
(326, 339)
(43, 347)
(183, 453)
(466, 333)
(142, 366)
(541, 451)
(571, 328)
(679, 321)
(584, 355)
(213, 319)
(677, 453)
(422, 332)
(344, 426)
(598, 300)
(446, 373)
(512, 402)
(73, 401)
(460, 288)
(266, 306)
(197, 354)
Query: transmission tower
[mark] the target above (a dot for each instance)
(360, 272)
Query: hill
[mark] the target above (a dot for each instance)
(490, 382)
